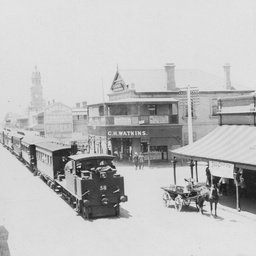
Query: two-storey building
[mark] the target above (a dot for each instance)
(153, 100)
(148, 125)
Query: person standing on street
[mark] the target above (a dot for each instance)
(243, 191)
(208, 177)
(223, 182)
(136, 160)
(214, 198)
(141, 161)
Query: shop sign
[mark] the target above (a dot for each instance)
(123, 121)
(128, 134)
(158, 119)
(58, 121)
(221, 169)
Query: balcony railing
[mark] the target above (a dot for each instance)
(133, 120)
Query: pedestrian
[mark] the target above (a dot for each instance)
(141, 161)
(116, 154)
(135, 160)
(223, 185)
(214, 198)
(243, 191)
(208, 177)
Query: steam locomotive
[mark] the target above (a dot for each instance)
(88, 182)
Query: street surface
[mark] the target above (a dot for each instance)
(40, 223)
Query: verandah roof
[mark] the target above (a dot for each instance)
(229, 143)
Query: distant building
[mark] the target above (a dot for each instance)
(62, 122)
(80, 125)
(37, 102)
(58, 121)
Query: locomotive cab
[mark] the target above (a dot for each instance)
(92, 183)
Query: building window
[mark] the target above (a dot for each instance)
(152, 110)
(192, 110)
(101, 110)
(214, 107)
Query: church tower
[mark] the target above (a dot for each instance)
(37, 101)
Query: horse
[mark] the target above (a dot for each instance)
(207, 194)
(203, 195)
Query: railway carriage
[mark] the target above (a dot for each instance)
(50, 160)
(16, 144)
(28, 148)
(7, 139)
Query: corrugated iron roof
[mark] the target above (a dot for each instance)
(142, 100)
(228, 143)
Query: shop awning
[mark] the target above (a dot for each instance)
(229, 143)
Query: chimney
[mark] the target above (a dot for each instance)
(169, 68)
(78, 105)
(227, 71)
(84, 104)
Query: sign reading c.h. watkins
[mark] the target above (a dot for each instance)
(128, 134)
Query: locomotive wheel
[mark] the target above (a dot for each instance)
(86, 213)
(118, 210)
(52, 185)
(78, 206)
(178, 203)
(187, 202)
(166, 199)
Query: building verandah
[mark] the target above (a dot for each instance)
(136, 125)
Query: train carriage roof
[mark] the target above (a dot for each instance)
(32, 139)
(51, 146)
(91, 156)
(17, 135)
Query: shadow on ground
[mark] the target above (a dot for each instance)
(246, 204)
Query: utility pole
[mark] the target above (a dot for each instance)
(190, 129)
(188, 97)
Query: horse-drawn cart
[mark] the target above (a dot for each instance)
(184, 195)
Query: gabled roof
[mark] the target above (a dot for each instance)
(228, 143)
(152, 80)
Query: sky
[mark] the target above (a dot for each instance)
(78, 45)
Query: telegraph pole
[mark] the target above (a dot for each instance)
(190, 129)
(189, 96)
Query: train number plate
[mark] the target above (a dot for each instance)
(103, 187)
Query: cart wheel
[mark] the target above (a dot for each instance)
(178, 203)
(166, 199)
(187, 202)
